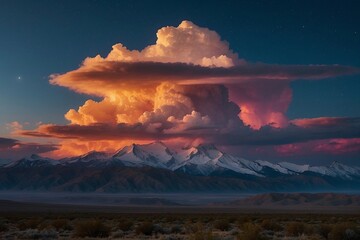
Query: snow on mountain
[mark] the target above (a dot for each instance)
(4, 162)
(88, 157)
(275, 167)
(294, 167)
(158, 150)
(154, 154)
(205, 159)
(336, 169)
(239, 165)
(322, 170)
(32, 161)
(201, 160)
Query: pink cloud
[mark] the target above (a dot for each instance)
(190, 85)
(322, 121)
(187, 54)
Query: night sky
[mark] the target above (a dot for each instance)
(41, 38)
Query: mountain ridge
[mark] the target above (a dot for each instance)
(201, 160)
(156, 167)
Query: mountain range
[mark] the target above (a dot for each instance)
(299, 199)
(155, 167)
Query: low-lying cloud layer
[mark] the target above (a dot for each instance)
(14, 149)
(235, 134)
(191, 86)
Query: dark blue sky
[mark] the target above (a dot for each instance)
(38, 38)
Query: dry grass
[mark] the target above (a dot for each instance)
(180, 226)
(145, 228)
(251, 231)
(344, 231)
(125, 225)
(91, 228)
(222, 224)
(295, 228)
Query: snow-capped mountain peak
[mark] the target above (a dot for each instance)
(32, 161)
(153, 154)
(200, 160)
(336, 169)
(208, 159)
(295, 168)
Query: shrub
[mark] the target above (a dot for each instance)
(158, 228)
(118, 234)
(294, 229)
(243, 220)
(344, 231)
(59, 224)
(222, 224)
(201, 235)
(309, 229)
(324, 230)
(232, 219)
(145, 228)
(250, 232)
(267, 224)
(91, 228)
(193, 227)
(28, 224)
(312, 237)
(36, 234)
(44, 225)
(3, 226)
(176, 229)
(125, 225)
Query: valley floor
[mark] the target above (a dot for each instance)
(171, 226)
(160, 216)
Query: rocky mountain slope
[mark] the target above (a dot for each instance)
(156, 168)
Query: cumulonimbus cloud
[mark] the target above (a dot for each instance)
(187, 54)
(250, 84)
(190, 85)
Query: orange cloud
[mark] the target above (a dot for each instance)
(114, 108)
(188, 85)
(69, 148)
(186, 43)
(14, 126)
(129, 80)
